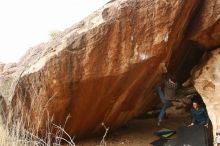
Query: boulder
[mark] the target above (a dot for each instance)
(1, 67)
(207, 83)
(9, 69)
(206, 27)
(7, 72)
(202, 35)
(104, 69)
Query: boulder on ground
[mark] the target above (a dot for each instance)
(207, 83)
(105, 68)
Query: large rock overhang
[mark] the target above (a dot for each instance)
(104, 69)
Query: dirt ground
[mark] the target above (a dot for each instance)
(138, 132)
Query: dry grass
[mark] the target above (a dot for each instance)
(14, 122)
(103, 142)
(17, 135)
(14, 133)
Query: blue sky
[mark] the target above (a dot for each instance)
(25, 23)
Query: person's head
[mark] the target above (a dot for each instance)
(172, 78)
(195, 105)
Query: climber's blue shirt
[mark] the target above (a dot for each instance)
(200, 116)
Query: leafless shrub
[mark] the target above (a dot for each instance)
(103, 142)
(17, 127)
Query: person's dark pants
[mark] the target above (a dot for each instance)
(165, 101)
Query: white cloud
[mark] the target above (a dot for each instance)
(25, 23)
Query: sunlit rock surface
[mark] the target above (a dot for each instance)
(1, 67)
(105, 68)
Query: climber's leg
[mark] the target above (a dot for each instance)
(166, 104)
(161, 95)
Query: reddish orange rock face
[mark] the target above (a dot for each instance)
(104, 69)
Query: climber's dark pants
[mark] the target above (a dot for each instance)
(165, 101)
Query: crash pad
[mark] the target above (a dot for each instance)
(165, 133)
(159, 142)
(194, 136)
(168, 135)
(171, 142)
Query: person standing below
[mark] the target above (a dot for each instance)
(199, 115)
(166, 91)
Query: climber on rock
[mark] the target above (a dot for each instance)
(199, 115)
(166, 90)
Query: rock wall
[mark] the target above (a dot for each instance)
(105, 68)
(1, 67)
(206, 27)
(207, 83)
(202, 35)
(7, 74)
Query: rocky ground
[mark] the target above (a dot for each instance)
(139, 132)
